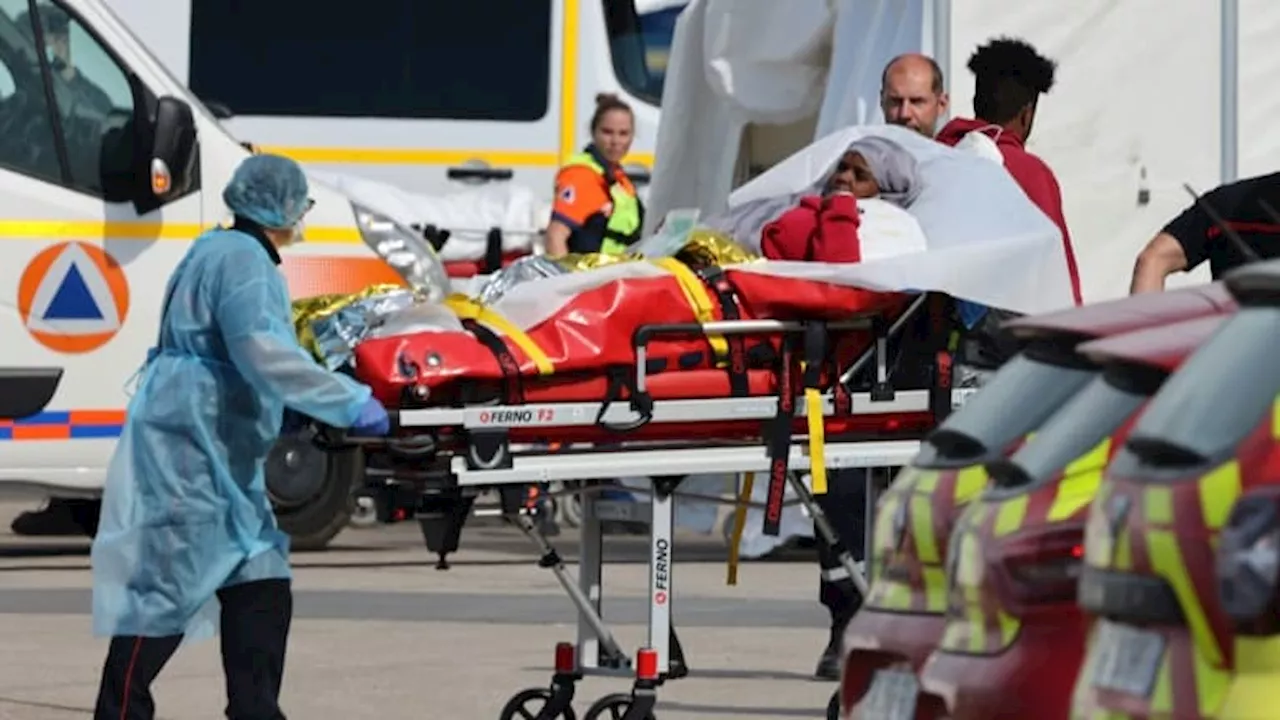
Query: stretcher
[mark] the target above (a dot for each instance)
(844, 409)
(668, 367)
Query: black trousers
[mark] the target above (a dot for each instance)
(845, 505)
(254, 633)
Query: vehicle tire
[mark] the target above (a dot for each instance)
(311, 489)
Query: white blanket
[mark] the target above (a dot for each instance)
(467, 215)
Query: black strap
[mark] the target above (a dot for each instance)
(512, 387)
(726, 295)
(777, 436)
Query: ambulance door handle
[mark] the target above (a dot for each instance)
(479, 171)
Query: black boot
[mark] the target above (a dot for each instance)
(829, 664)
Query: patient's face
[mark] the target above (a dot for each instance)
(853, 174)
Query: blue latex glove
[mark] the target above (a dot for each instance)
(372, 420)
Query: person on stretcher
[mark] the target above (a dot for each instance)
(834, 226)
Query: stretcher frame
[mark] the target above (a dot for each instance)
(597, 651)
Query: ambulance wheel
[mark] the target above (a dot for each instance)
(528, 705)
(611, 707)
(312, 489)
(568, 504)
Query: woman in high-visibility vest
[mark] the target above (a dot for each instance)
(596, 207)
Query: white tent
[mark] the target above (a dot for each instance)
(1150, 94)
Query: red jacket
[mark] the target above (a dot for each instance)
(818, 230)
(1031, 173)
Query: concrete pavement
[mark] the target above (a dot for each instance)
(378, 633)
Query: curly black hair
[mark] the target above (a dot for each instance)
(1009, 75)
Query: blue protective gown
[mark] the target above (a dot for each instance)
(185, 510)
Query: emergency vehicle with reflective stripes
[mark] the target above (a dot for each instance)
(902, 620)
(1014, 637)
(1162, 643)
(98, 202)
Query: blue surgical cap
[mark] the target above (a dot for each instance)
(268, 189)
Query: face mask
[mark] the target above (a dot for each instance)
(299, 228)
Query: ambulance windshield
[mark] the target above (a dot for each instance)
(1091, 416)
(1218, 396)
(1022, 395)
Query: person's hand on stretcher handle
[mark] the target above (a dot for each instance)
(371, 421)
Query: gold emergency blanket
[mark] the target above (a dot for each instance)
(329, 326)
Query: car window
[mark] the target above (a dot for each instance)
(640, 37)
(480, 60)
(27, 143)
(1021, 396)
(92, 94)
(94, 99)
(1221, 392)
(1092, 415)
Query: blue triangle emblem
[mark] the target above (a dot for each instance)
(73, 301)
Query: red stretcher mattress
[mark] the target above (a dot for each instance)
(578, 351)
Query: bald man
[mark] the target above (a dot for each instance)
(912, 94)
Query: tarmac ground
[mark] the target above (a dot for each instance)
(379, 633)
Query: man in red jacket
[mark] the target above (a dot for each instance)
(1010, 78)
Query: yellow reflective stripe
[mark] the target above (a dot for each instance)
(817, 439)
(922, 529)
(1211, 684)
(1218, 492)
(1009, 627)
(1162, 693)
(145, 230)
(1166, 560)
(1157, 503)
(1080, 481)
(969, 482)
(1122, 558)
(739, 525)
(1275, 418)
(1074, 492)
(935, 589)
(927, 481)
(1252, 691)
(1010, 515)
(468, 309)
(695, 293)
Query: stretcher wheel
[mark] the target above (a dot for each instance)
(612, 707)
(526, 704)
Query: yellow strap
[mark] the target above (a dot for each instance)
(468, 309)
(739, 524)
(695, 293)
(817, 440)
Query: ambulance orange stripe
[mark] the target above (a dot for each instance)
(97, 417)
(42, 432)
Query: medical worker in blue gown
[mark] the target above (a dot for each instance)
(186, 528)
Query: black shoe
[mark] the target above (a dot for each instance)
(829, 664)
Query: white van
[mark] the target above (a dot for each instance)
(90, 242)
(109, 167)
(430, 96)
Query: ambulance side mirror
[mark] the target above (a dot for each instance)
(173, 155)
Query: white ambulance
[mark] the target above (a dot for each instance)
(110, 165)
